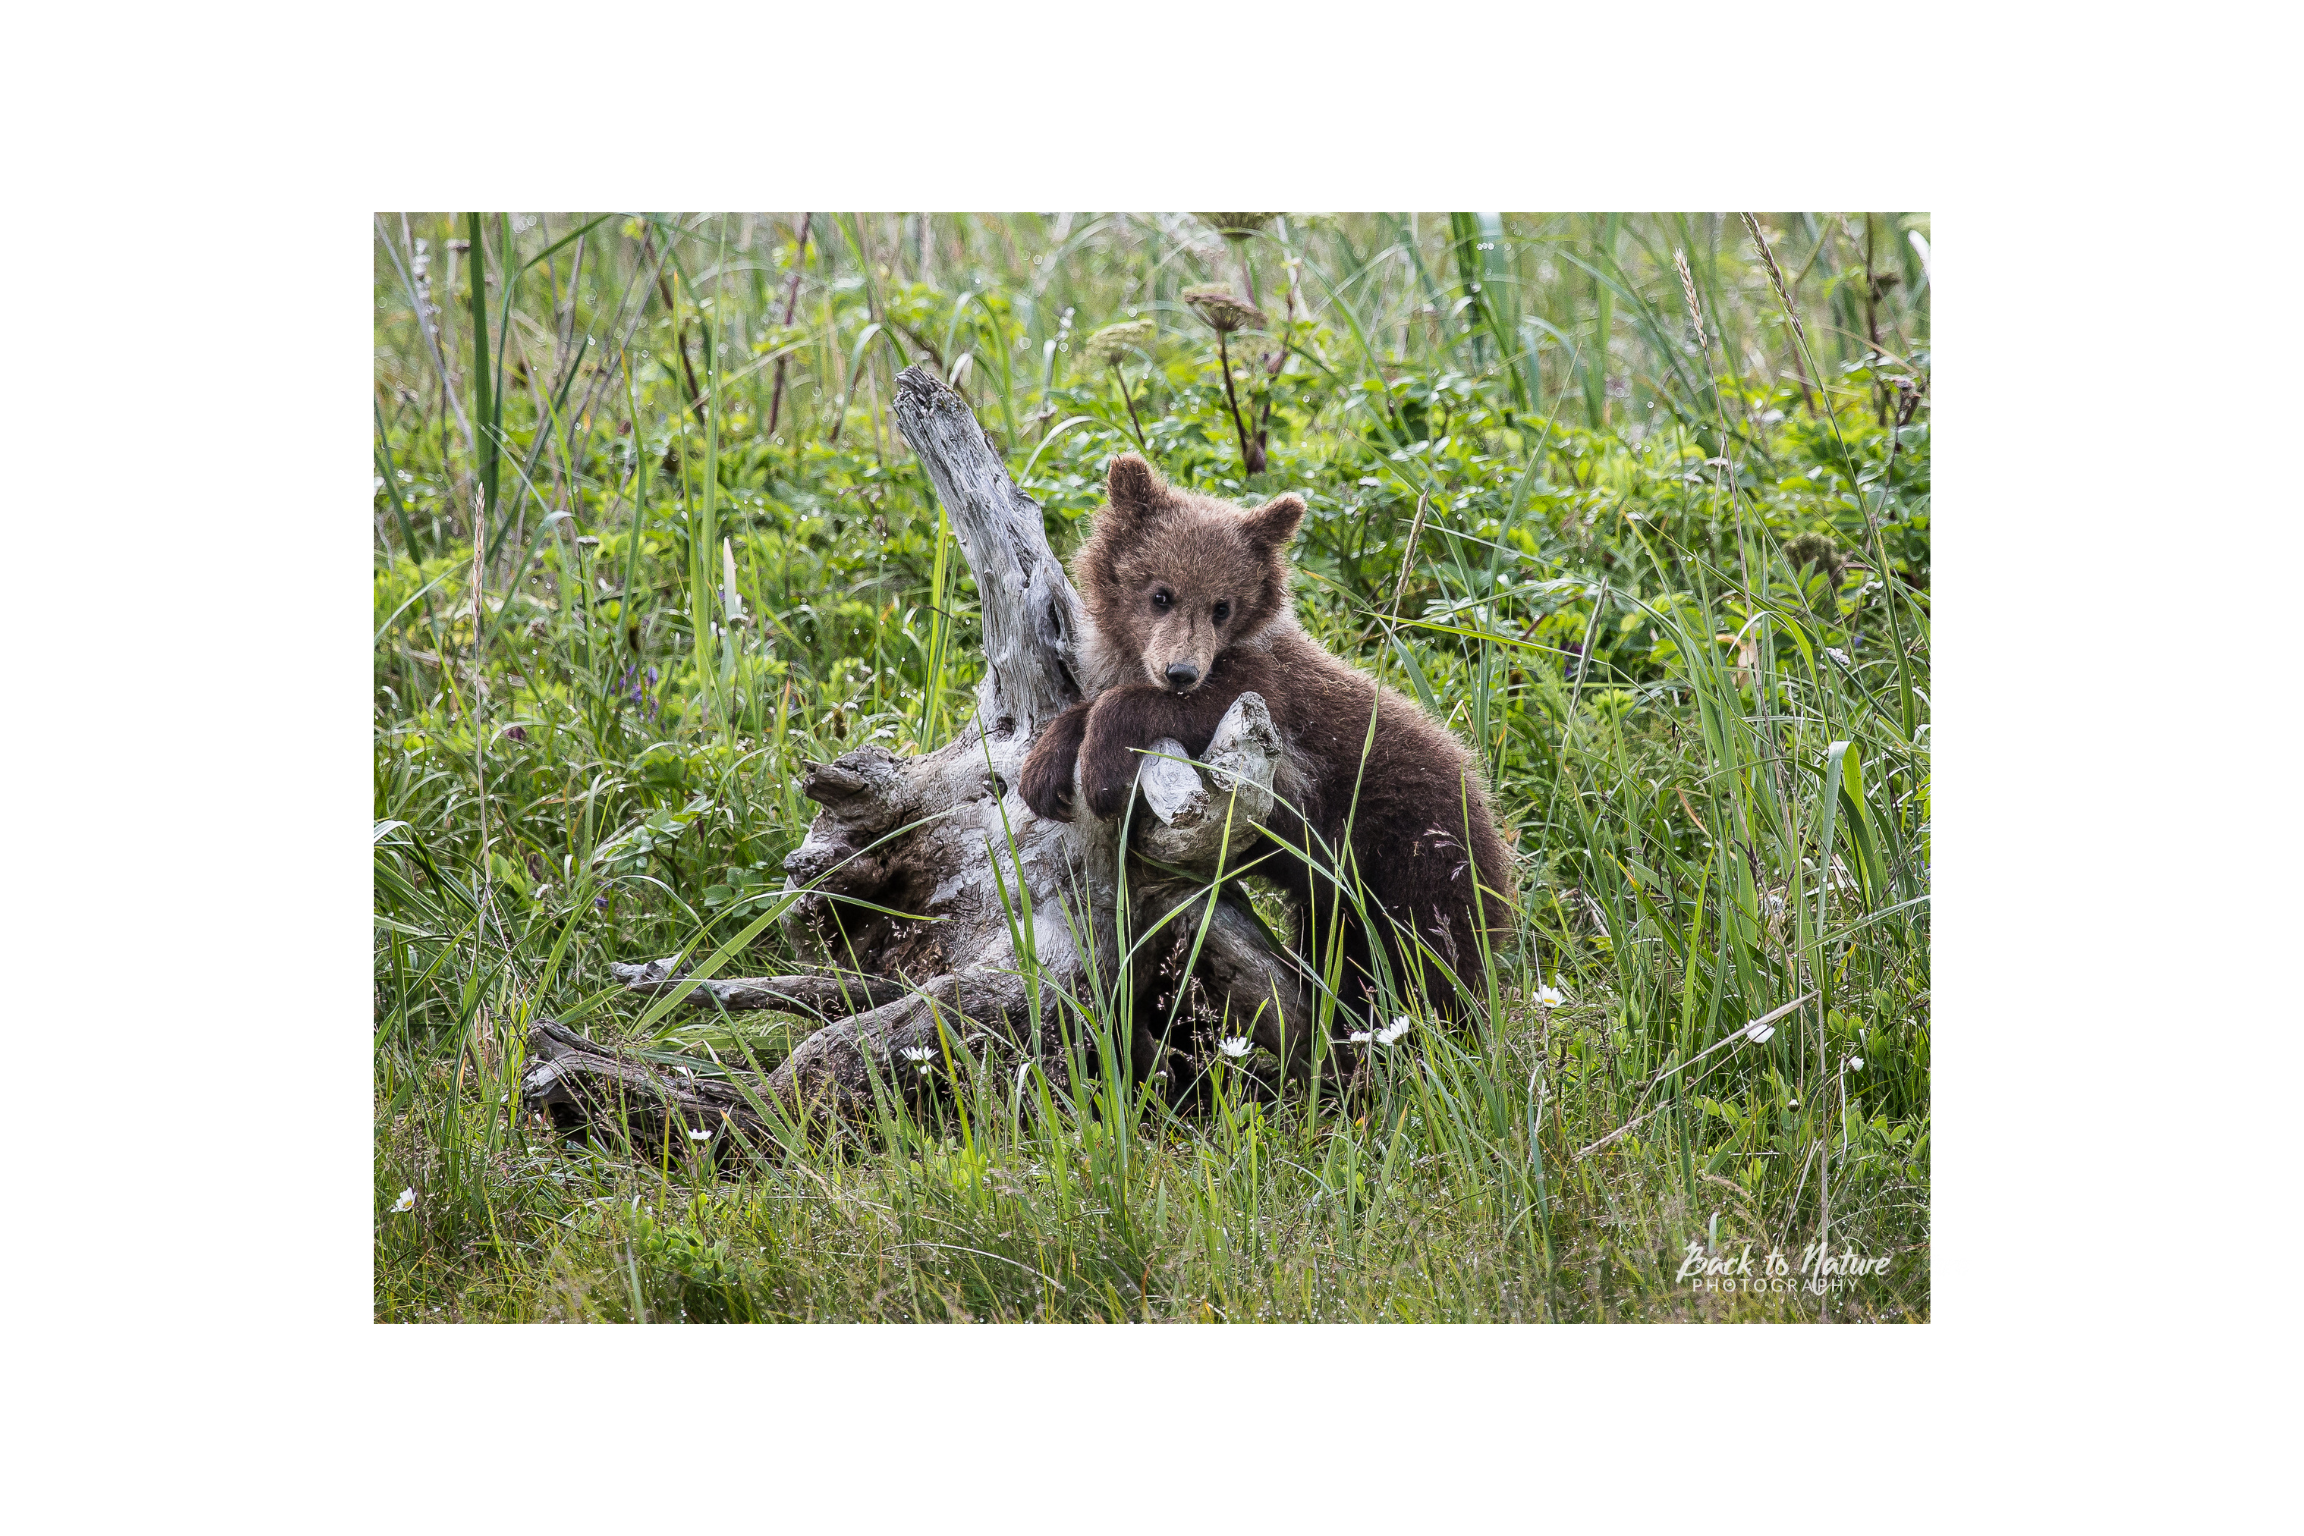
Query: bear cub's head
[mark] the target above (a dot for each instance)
(1173, 579)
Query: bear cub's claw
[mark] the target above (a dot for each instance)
(1056, 809)
(1048, 794)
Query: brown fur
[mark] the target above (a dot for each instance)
(1409, 813)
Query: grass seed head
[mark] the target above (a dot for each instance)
(1775, 275)
(1688, 289)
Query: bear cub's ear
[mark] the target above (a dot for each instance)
(1272, 525)
(1132, 486)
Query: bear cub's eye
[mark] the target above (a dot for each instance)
(1162, 598)
(1223, 612)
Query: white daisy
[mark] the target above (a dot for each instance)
(1399, 1027)
(406, 1202)
(1358, 1037)
(1549, 997)
(1236, 1047)
(699, 1135)
(1857, 1062)
(921, 1056)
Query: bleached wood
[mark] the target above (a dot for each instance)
(1195, 808)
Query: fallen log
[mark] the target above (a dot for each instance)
(945, 912)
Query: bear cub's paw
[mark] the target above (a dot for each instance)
(1108, 774)
(1047, 782)
(1047, 785)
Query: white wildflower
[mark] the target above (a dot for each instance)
(1398, 1028)
(699, 1135)
(921, 1056)
(1760, 1034)
(1549, 997)
(406, 1202)
(1358, 1037)
(1837, 654)
(1236, 1047)
(1857, 1062)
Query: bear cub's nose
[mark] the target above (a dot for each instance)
(1182, 675)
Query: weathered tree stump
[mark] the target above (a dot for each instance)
(923, 878)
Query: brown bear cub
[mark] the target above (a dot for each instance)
(1188, 603)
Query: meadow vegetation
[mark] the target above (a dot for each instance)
(1641, 511)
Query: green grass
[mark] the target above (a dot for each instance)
(1710, 751)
